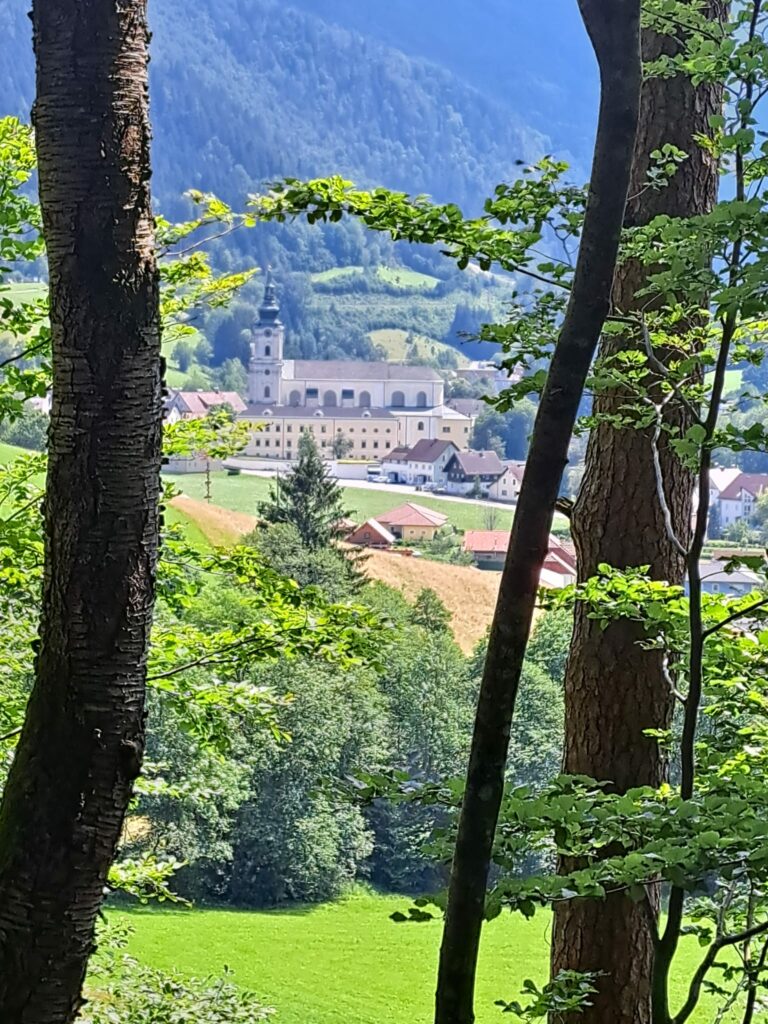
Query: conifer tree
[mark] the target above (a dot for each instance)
(307, 498)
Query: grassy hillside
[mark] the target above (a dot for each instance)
(393, 340)
(346, 962)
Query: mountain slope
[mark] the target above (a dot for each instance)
(247, 90)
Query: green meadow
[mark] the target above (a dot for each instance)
(347, 962)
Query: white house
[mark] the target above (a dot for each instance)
(737, 500)
(424, 463)
(507, 486)
(470, 471)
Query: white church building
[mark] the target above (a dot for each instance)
(400, 404)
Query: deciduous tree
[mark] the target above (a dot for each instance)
(613, 689)
(81, 747)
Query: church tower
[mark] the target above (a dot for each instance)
(265, 369)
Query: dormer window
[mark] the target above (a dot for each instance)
(366, 415)
(319, 412)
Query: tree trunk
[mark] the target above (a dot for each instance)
(613, 689)
(614, 30)
(82, 742)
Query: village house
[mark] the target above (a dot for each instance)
(423, 464)
(371, 534)
(715, 580)
(193, 405)
(489, 550)
(737, 499)
(473, 472)
(507, 486)
(412, 522)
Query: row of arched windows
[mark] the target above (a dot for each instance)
(330, 399)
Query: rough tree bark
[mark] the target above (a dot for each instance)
(613, 26)
(82, 742)
(614, 690)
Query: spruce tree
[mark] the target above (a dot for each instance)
(307, 498)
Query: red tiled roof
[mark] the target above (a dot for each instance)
(491, 542)
(411, 514)
(200, 402)
(360, 534)
(752, 483)
(495, 542)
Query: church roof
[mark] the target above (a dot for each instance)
(358, 370)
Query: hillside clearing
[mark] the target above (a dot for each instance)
(393, 340)
(469, 594)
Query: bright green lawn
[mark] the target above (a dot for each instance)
(194, 535)
(242, 494)
(344, 963)
(9, 452)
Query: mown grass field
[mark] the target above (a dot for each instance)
(346, 962)
(243, 493)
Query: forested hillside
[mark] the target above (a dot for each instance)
(244, 91)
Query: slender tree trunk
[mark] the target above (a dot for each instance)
(613, 26)
(82, 742)
(613, 689)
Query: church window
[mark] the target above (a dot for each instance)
(268, 332)
(267, 350)
(267, 373)
(347, 394)
(421, 400)
(365, 400)
(295, 398)
(398, 399)
(266, 392)
(420, 425)
(329, 398)
(312, 392)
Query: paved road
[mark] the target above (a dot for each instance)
(407, 490)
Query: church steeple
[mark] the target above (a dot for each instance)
(265, 369)
(269, 310)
